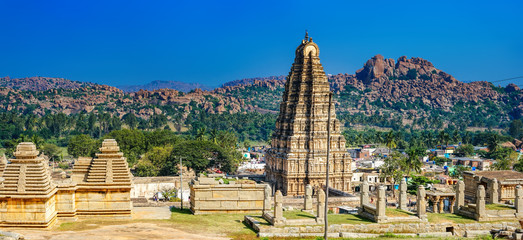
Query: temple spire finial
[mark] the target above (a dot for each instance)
(306, 35)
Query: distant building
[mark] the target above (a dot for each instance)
(474, 163)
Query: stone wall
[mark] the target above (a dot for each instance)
(148, 186)
(209, 196)
(409, 229)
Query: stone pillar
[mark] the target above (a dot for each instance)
(320, 217)
(494, 191)
(403, 195)
(452, 202)
(460, 196)
(381, 205)
(480, 203)
(364, 197)
(518, 202)
(421, 204)
(442, 205)
(435, 204)
(267, 199)
(278, 209)
(307, 205)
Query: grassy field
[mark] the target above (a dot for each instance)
(394, 212)
(230, 225)
(495, 206)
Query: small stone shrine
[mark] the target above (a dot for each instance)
(29, 197)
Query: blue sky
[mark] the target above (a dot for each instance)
(212, 42)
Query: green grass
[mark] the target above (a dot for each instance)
(394, 212)
(297, 215)
(347, 219)
(230, 224)
(496, 206)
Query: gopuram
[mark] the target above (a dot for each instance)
(29, 197)
(298, 152)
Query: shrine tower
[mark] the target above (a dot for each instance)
(298, 152)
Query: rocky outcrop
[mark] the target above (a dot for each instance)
(380, 82)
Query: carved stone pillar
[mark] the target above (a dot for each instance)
(494, 191)
(451, 207)
(403, 195)
(421, 204)
(307, 205)
(480, 203)
(278, 209)
(460, 196)
(381, 205)
(267, 199)
(320, 217)
(518, 202)
(435, 203)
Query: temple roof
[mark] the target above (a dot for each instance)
(500, 175)
(109, 167)
(27, 174)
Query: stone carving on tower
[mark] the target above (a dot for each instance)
(298, 152)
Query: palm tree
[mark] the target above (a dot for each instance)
(444, 137)
(390, 140)
(493, 142)
(200, 134)
(413, 162)
(214, 135)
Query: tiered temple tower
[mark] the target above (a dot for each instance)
(106, 186)
(27, 194)
(298, 152)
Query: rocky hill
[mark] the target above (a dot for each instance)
(384, 92)
(41, 83)
(155, 85)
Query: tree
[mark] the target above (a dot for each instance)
(392, 168)
(391, 140)
(51, 150)
(465, 150)
(158, 157)
(458, 171)
(444, 138)
(415, 181)
(200, 134)
(82, 145)
(516, 129)
(145, 168)
(493, 141)
(131, 142)
(413, 162)
(200, 155)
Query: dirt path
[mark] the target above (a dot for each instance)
(131, 231)
(124, 231)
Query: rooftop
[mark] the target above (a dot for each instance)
(500, 175)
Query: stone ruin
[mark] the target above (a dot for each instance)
(479, 210)
(275, 216)
(30, 198)
(209, 196)
(377, 213)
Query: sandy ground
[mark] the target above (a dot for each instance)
(129, 231)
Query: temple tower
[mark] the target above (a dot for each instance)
(27, 194)
(298, 152)
(105, 190)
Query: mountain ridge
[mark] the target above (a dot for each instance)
(403, 90)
